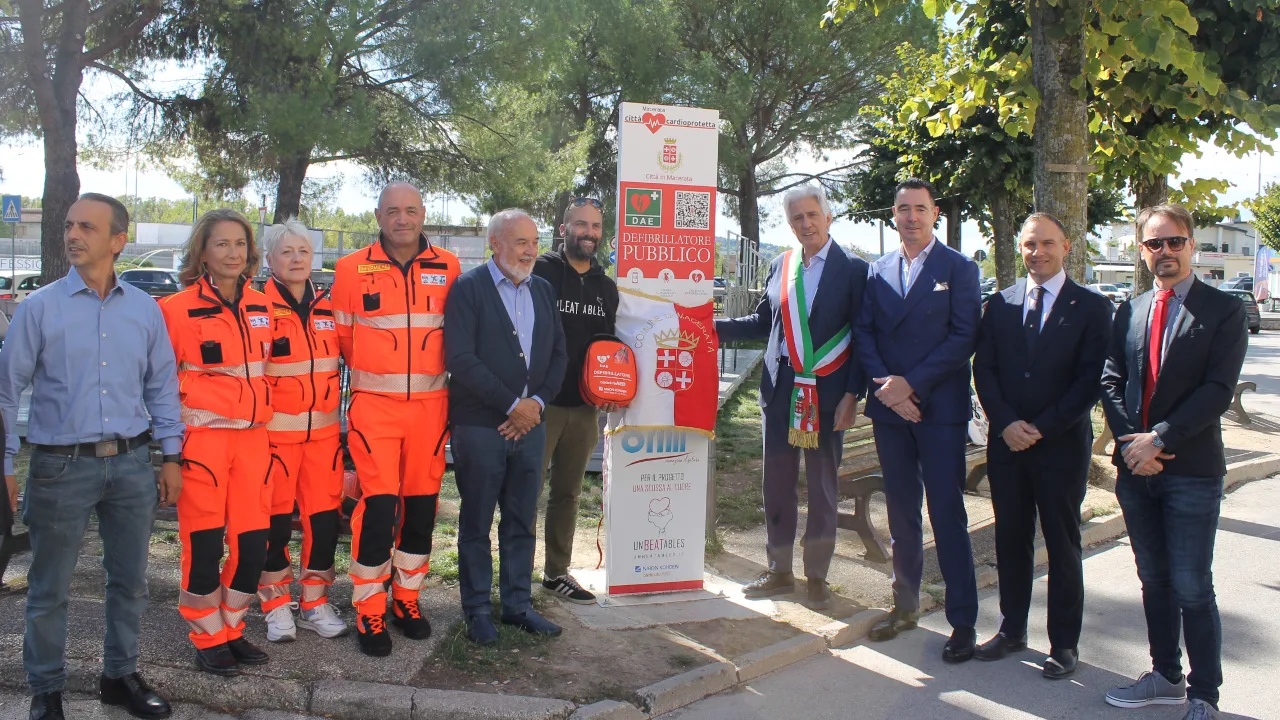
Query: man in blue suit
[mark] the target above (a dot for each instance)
(809, 391)
(915, 334)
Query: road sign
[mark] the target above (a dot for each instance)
(11, 205)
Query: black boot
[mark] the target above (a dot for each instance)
(47, 706)
(134, 694)
(246, 653)
(218, 660)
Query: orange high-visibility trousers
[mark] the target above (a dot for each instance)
(398, 449)
(226, 496)
(309, 473)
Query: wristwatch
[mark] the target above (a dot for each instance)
(1156, 440)
(174, 458)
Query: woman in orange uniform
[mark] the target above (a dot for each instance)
(306, 457)
(221, 333)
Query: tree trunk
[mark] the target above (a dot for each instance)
(1147, 192)
(1061, 136)
(61, 188)
(951, 208)
(292, 173)
(749, 205)
(1004, 246)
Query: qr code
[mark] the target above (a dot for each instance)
(693, 210)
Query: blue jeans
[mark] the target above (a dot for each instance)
(492, 472)
(62, 490)
(1172, 521)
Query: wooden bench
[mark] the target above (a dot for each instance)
(859, 478)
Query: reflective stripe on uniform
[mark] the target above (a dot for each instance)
(315, 584)
(398, 383)
(303, 367)
(341, 317)
(196, 417)
(401, 321)
(256, 369)
(410, 569)
(209, 623)
(234, 606)
(314, 420)
(367, 581)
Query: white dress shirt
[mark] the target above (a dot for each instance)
(812, 276)
(1052, 289)
(906, 270)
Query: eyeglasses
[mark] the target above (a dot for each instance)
(1174, 242)
(580, 201)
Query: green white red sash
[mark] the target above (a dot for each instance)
(809, 362)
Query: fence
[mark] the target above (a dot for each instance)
(743, 283)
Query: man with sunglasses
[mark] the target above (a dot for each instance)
(587, 299)
(1172, 367)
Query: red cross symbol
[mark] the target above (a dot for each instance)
(666, 358)
(684, 378)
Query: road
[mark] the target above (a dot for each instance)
(906, 678)
(1262, 365)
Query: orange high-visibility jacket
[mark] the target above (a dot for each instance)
(302, 369)
(221, 351)
(390, 319)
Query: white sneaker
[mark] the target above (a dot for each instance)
(280, 626)
(323, 620)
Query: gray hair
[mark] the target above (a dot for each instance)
(800, 192)
(501, 219)
(292, 226)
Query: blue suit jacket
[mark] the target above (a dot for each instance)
(926, 337)
(835, 306)
(487, 371)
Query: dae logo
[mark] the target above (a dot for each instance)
(644, 207)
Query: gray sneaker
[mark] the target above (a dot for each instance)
(1150, 689)
(1201, 710)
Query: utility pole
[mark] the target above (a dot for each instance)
(881, 223)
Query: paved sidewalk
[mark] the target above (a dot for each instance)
(907, 678)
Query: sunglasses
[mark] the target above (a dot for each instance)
(580, 201)
(1174, 242)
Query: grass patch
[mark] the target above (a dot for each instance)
(713, 545)
(513, 646)
(444, 565)
(683, 661)
(740, 510)
(591, 501)
(738, 431)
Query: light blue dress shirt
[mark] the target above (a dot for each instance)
(812, 276)
(99, 369)
(518, 300)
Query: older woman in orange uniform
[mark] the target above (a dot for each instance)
(306, 456)
(221, 333)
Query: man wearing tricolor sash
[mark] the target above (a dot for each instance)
(809, 391)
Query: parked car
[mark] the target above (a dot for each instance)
(27, 284)
(1242, 282)
(720, 287)
(1251, 313)
(153, 281)
(1116, 295)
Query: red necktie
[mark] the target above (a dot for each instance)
(1155, 343)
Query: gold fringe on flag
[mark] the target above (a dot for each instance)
(802, 439)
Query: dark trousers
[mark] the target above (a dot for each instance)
(782, 485)
(1172, 522)
(492, 472)
(927, 461)
(1025, 485)
(62, 491)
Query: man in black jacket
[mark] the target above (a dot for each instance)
(504, 350)
(588, 302)
(1171, 371)
(1041, 346)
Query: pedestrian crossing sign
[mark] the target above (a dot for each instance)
(12, 207)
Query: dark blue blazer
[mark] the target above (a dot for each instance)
(487, 373)
(1055, 383)
(926, 337)
(835, 306)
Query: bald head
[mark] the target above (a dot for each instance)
(513, 237)
(400, 215)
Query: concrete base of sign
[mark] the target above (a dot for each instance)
(720, 599)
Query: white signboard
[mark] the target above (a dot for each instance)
(162, 233)
(655, 509)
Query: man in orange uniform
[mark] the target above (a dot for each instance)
(221, 333)
(388, 301)
(306, 455)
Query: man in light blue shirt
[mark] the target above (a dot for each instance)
(97, 356)
(518, 302)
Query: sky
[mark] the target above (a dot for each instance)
(22, 167)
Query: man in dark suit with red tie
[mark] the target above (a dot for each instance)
(1040, 352)
(1171, 371)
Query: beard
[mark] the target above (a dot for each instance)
(1167, 267)
(573, 246)
(516, 271)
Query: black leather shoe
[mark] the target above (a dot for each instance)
(134, 694)
(47, 706)
(246, 653)
(961, 646)
(770, 584)
(532, 623)
(999, 647)
(1061, 664)
(899, 621)
(218, 660)
(480, 630)
(819, 595)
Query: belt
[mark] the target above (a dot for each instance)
(104, 449)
